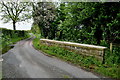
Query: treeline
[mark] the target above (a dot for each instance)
(91, 23)
(8, 37)
(95, 23)
(13, 33)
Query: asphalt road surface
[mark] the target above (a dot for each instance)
(23, 61)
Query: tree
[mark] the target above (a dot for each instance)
(43, 16)
(14, 11)
(90, 23)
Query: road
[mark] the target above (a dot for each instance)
(23, 61)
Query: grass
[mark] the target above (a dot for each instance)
(89, 63)
(5, 47)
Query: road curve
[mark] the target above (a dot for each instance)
(23, 61)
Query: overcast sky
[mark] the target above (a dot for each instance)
(26, 25)
(20, 25)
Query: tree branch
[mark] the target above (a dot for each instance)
(7, 10)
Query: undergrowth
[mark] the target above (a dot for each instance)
(7, 45)
(89, 63)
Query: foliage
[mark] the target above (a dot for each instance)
(43, 16)
(81, 22)
(110, 69)
(35, 30)
(14, 11)
(9, 37)
(90, 23)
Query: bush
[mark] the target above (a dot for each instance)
(9, 37)
(110, 68)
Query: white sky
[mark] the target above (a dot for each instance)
(19, 25)
(26, 25)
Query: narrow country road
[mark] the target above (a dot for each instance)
(23, 61)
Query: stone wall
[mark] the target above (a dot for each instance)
(84, 49)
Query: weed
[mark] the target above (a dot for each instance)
(109, 69)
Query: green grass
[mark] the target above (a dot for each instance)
(8, 37)
(6, 44)
(89, 63)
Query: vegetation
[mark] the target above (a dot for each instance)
(95, 23)
(9, 37)
(14, 11)
(44, 15)
(89, 23)
(36, 31)
(89, 63)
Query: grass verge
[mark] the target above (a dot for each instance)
(6, 47)
(89, 63)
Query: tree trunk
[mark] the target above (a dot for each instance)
(98, 35)
(61, 34)
(14, 26)
(111, 47)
